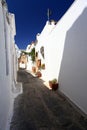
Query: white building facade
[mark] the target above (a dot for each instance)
(65, 53)
(73, 70)
(28, 50)
(8, 71)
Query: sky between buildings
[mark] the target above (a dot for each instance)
(31, 17)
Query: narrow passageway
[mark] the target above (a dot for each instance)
(39, 108)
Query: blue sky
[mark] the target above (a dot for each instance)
(31, 17)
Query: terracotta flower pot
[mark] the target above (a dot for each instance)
(34, 69)
(54, 86)
(38, 74)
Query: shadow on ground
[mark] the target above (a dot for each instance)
(39, 108)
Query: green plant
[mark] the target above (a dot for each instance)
(38, 74)
(53, 84)
(32, 54)
(54, 81)
(43, 66)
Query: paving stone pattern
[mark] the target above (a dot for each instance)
(39, 108)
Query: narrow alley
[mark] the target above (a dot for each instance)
(39, 108)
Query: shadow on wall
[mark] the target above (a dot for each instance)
(73, 71)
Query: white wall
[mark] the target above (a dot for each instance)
(65, 53)
(73, 72)
(54, 42)
(12, 50)
(6, 66)
(4, 79)
(71, 49)
(45, 40)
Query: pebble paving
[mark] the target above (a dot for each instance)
(39, 108)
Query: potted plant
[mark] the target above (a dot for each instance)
(43, 66)
(33, 69)
(53, 84)
(32, 55)
(38, 74)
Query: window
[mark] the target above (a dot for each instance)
(42, 51)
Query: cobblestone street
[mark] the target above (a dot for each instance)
(39, 108)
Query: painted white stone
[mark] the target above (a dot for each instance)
(65, 53)
(8, 65)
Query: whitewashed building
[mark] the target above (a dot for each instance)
(28, 50)
(18, 53)
(43, 49)
(65, 53)
(8, 71)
